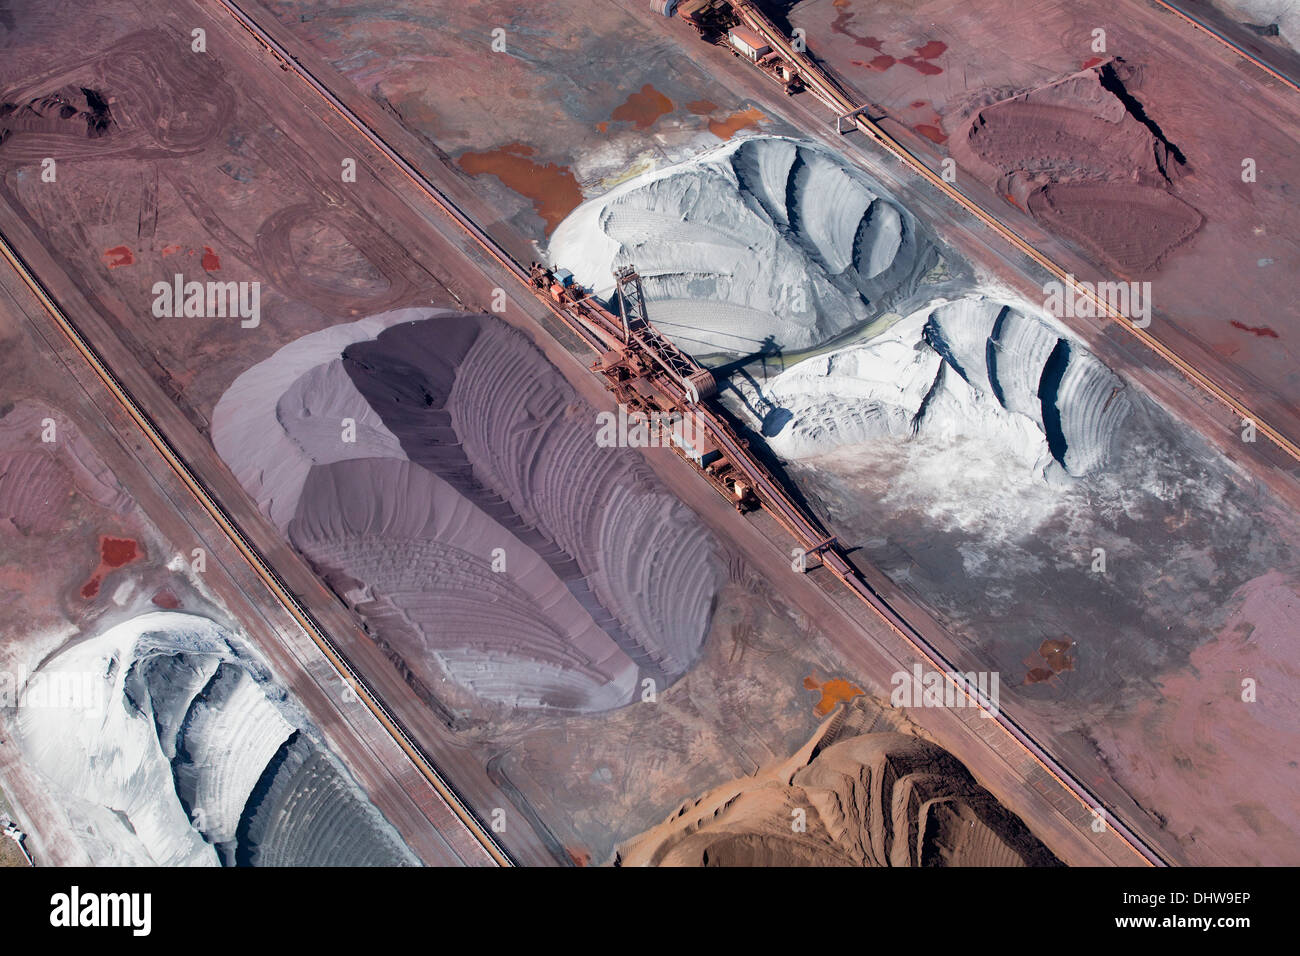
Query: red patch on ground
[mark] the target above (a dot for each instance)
(603, 127)
(880, 64)
(1089, 63)
(166, 600)
(701, 107)
(113, 554)
(840, 25)
(211, 261)
(170, 251)
(553, 189)
(924, 67)
(932, 133)
(643, 108)
(918, 104)
(931, 50)
(118, 256)
(1263, 331)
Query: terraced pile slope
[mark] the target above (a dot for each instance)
(765, 238)
(874, 799)
(446, 481)
(168, 745)
(973, 367)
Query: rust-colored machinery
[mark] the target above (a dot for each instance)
(652, 379)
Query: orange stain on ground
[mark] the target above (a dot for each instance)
(833, 691)
(643, 108)
(553, 189)
(1055, 654)
(932, 133)
(743, 119)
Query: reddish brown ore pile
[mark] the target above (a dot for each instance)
(1083, 157)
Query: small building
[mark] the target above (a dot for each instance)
(747, 43)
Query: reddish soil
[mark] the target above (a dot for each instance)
(211, 261)
(879, 63)
(932, 133)
(1132, 227)
(921, 65)
(919, 60)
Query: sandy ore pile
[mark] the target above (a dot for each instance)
(169, 745)
(499, 555)
(762, 238)
(974, 368)
(1083, 157)
(868, 799)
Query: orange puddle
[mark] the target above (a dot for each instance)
(118, 256)
(833, 692)
(733, 124)
(1057, 658)
(643, 108)
(553, 189)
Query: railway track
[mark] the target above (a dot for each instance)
(346, 672)
(595, 327)
(826, 90)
